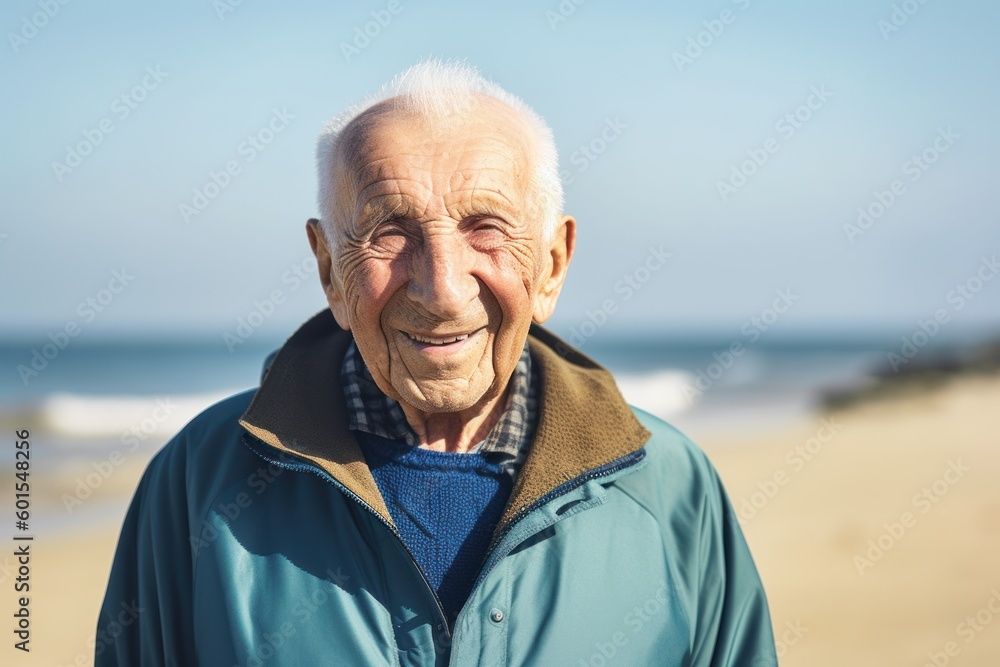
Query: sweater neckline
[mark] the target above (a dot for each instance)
(584, 423)
(402, 453)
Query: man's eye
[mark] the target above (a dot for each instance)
(395, 226)
(388, 230)
(391, 238)
(487, 224)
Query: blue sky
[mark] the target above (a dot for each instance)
(679, 129)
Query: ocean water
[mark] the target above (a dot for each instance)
(702, 386)
(140, 393)
(93, 397)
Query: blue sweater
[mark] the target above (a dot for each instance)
(446, 507)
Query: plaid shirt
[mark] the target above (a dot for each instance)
(371, 411)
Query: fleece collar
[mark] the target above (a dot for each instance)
(583, 421)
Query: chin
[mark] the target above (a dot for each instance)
(439, 403)
(435, 400)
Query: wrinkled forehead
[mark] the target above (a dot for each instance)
(487, 145)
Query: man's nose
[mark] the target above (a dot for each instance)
(441, 276)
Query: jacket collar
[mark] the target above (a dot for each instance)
(583, 422)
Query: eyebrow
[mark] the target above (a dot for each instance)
(394, 206)
(382, 208)
(492, 204)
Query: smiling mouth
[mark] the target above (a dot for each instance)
(450, 342)
(437, 340)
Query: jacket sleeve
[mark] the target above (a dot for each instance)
(146, 615)
(732, 625)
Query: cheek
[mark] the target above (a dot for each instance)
(511, 281)
(368, 287)
(511, 277)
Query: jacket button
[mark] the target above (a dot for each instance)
(496, 615)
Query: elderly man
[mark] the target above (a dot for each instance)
(425, 476)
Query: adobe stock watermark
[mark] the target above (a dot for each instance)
(264, 309)
(8, 569)
(88, 310)
(651, 609)
(246, 152)
(107, 635)
(795, 460)
(259, 481)
(967, 630)
(702, 41)
(562, 12)
(752, 329)
(786, 127)
(792, 633)
(900, 15)
(923, 502)
(589, 152)
(914, 168)
(957, 298)
(223, 7)
(627, 286)
(130, 440)
(303, 609)
(32, 24)
(121, 109)
(369, 32)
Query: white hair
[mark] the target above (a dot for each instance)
(433, 87)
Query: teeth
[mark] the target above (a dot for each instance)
(438, 341)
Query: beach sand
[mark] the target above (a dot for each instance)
(927, 572)
(805, 520)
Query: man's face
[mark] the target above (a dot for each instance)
(439, 257)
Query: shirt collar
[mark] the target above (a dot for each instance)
(371, 411)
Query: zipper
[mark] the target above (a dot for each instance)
(605, 470)
(565, 487)
(308, 466)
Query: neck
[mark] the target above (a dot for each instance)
(455, 431)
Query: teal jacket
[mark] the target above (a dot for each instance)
(257, 536)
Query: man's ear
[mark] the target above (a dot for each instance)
(324, 262)
(559, 252)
